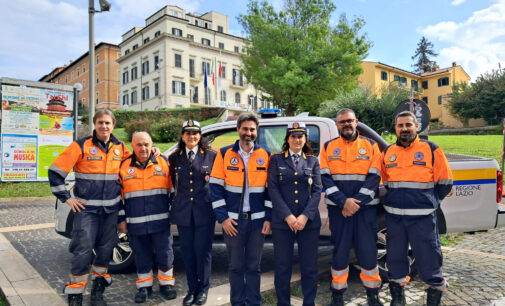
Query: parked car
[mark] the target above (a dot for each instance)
(472, 205)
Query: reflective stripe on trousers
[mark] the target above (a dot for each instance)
(339, 278)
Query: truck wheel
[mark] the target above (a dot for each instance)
(382, 256)
(122, 256)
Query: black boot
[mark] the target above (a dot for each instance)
(434, 296)
(337, 299)
(143, 294)
(168, 292)
(75, 299)
(397, 294)
(97, 290)
(373, 298)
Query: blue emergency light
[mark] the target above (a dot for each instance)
(269, 112)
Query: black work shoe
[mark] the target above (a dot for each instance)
(97, 290)
(337, 299)
(75, 299)
(168, 292)
(189, 299)
(201, 298)
(143, 294)
(373, 298)
(434, 297)
(397, 294)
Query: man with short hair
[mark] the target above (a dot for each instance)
(241, 205)
(96, 199)
(146, 187)
(350, 172)
(417, 177)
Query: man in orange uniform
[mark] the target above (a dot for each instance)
(417, 177)
(96, 200)
(350, 172)
(147, 185)
(240, 201)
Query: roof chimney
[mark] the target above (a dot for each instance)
(453, 64)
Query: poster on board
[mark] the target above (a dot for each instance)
(20, 110)
(19, 157)
(49, 147)
(56, 112)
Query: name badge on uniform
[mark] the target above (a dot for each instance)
(363, 157)
(94, 158)
(334, 157)
(232, 168)
(129, 177)
(160, 173)
(117, 158)
(391, 165)
(419, 163)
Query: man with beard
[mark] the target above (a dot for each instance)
(350, 175)
(241, 205)
(417, 177)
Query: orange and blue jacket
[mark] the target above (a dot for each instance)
(146, 191)
(351, 169)
(96, 171)
(227, 184)
(416, 177)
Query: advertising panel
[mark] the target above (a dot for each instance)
(20, 110)
(49, 147)
(19, 157)
(56, 113)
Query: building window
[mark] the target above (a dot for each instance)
(83, 101)
(191, 37)
(146, 40)
(221, 46)
(206, 65)
(220, 29)
(97, 94)
(414, 84)
(205, 41)
(97, 78)
(237, 78)
(443, 82)
(156, 89)
(156, 62)
(71, 75)
(193, 91)
(223, 72)
(384, 75)
(177, 32)
(97, 59)
(83, 84)
(439, 100)
(145, 67)
(125, 99)
(145, 93)
(135, 47)
(66, 79)
(83, 68)
(425, 99)
(125, 77)
(223, 95)
(424, 84)
(236, 49)
(134, 73)
(158, 33)
(178, 88)
(78, 72)
(237, 98)
(127, 51)
(402, 81)
(191, 68)
(134, 97)
(178, 60)
(207, 96)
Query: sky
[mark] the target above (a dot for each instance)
(40, 35)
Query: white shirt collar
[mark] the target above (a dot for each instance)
(291, 153)
(195, 150)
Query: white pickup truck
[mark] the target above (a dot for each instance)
(473, 204)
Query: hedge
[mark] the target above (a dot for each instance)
(195, 113)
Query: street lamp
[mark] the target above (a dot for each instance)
(77, 88)
(104, 6)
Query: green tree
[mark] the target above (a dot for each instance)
(424, 50)
(296, 58)
(483, 99)
(371, 109)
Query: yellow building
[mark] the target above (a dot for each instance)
(432, 87)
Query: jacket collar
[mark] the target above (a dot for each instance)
(236, 147)
(415, 141)
(135, 163)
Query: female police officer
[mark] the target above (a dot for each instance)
(294, 186)
(190, 168)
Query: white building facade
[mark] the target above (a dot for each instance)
(163, 64)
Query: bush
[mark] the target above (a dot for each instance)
(167, 131)
(195, 113)
(136, 126)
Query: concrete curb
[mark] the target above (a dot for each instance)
(26, 199)
(20, 283)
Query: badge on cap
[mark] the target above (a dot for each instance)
(362, 151)
(419, 156)
(336, 151)
(157, 168)
(392, 157)
(130, 170)
(93, 150)
(116, 151)
(296, 125)
(234, 161)
(260, 161)
(190, 122)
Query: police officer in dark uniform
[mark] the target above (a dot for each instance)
(294, 186)
(190, 168)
